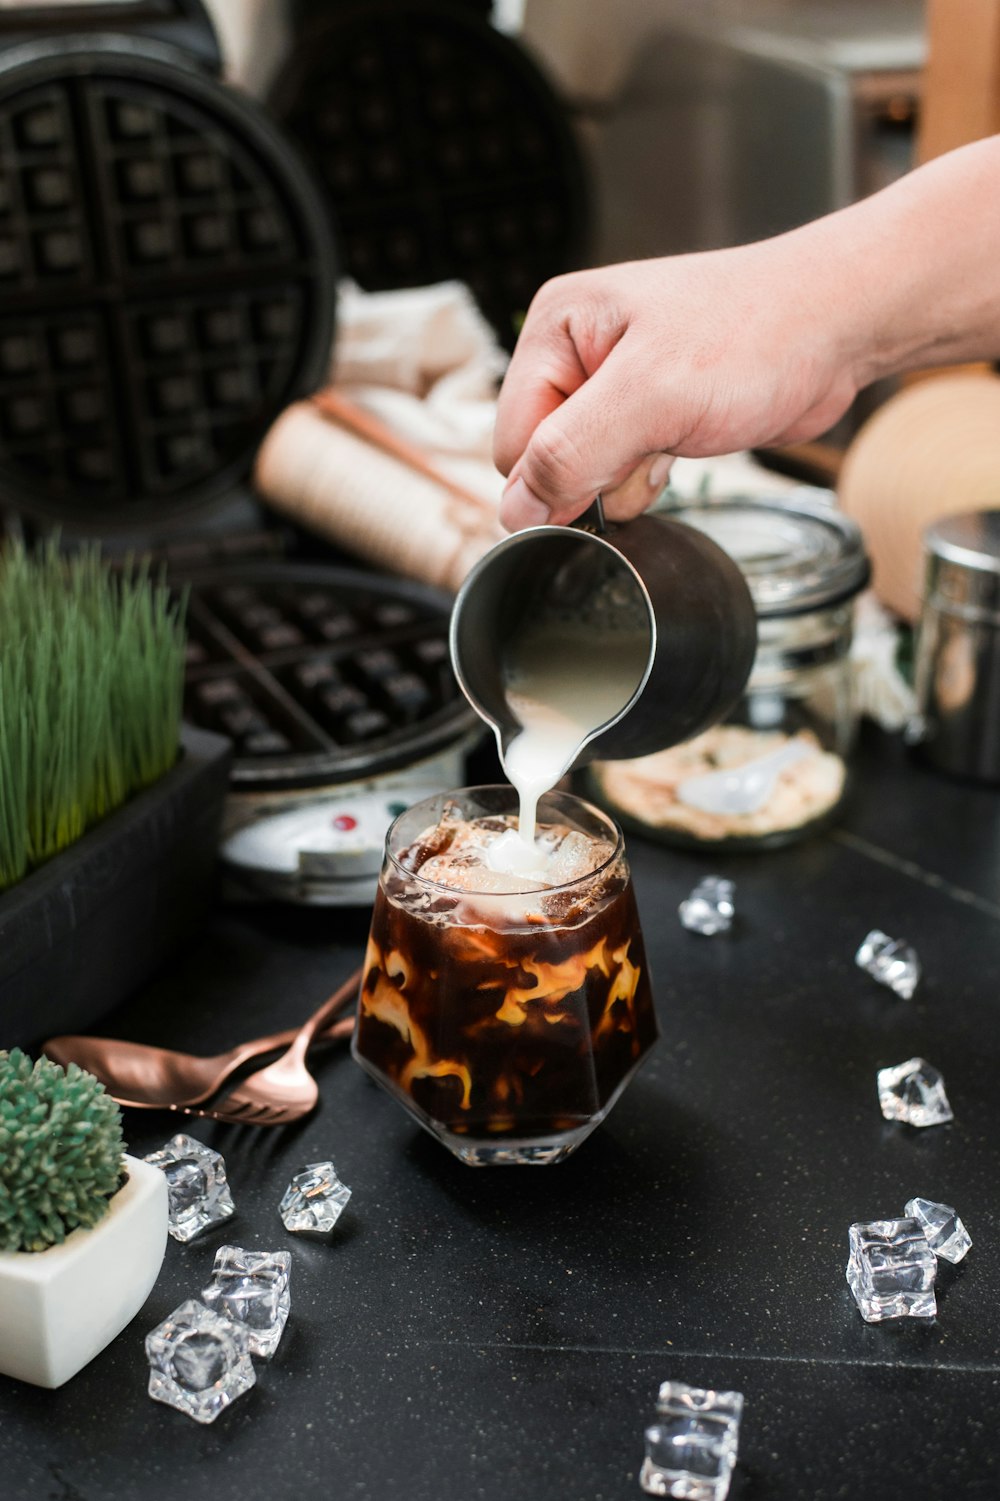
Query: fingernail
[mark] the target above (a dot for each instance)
(520, 507)
(659, 470)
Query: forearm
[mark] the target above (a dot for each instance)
(920, 265)
(750, 347)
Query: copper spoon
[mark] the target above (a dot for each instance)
(148, 1078)
(283, 1091)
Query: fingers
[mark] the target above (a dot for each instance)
(621, 502)
(589, 444)
(643, 485)
(544, 370)
(537, 397)
(520, 508)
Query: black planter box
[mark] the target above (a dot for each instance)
(93, 924)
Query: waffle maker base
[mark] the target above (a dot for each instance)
(336, 688)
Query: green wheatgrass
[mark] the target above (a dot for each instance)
(61, 1151)
(91, 686)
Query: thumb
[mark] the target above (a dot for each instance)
(588, 445)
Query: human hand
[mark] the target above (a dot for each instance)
(618, 368)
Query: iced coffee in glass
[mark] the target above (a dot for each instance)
(506, 1011)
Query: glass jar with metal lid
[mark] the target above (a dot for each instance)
(777, 767)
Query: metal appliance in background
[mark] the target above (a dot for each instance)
(725, 121)
(958, 657)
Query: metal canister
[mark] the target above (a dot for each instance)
(958, 656)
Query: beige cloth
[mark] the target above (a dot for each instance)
(426, 364)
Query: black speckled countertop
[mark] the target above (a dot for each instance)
(499, 1334)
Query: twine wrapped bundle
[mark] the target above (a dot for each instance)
(392, 461)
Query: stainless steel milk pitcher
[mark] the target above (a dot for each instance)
(695, 620)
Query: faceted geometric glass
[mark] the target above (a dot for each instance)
(891, 1271)
(890, 961)
(199, 1362)
(505, 1012)
(913, 1092)
(709, 909)
(946, 1235)
(251, 1288)
(314, 1200)
(197, 1190)
(691, 1451)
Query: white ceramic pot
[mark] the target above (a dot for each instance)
(60, 1307)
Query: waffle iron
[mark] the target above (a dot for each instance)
(321, 675)
(167, 266)
(337, 690)
(442, 146)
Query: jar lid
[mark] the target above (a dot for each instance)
(963, 562)
(971, 540)
(797, 555)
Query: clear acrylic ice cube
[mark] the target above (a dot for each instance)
(199, 1362)
(944, 1231)
(197, 1190)
(314, 1200)
(913, 1092)
(691, 1449)
(891, 1270)
(891, 961)
(251, 1288)
(710, 908)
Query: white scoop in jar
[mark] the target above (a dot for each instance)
(742, 789)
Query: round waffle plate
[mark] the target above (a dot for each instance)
(444, 151)
(167, 281)
(321, 675)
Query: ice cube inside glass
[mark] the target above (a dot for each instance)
(506, 1015)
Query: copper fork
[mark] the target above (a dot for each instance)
(285, 1090)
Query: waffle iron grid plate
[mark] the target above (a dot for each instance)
(442, 147)
(321, 675)
(167, 281)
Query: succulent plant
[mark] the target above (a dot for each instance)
(60, 1151)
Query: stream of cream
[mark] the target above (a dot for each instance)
(562, 683)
